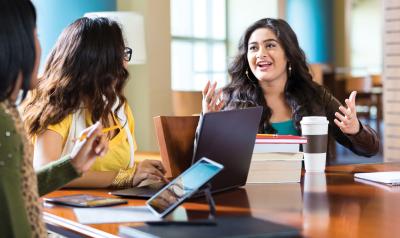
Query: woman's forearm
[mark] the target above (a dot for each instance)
(93, 179)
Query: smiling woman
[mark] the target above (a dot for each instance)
(270, 70)
(266, 57)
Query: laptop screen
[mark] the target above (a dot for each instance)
(183, 186)
(228, 137)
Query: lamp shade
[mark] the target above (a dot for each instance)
(132, 25)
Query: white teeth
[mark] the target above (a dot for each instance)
(264, 63)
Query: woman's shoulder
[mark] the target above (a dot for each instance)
(322, 93)
(326, 96)
(62, 126)
(10, 140)
(128, 111)
(7, 125)
(5, 119)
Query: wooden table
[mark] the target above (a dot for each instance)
(322, 205)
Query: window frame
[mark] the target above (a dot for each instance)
(208, 40)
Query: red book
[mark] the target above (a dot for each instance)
(280, 139)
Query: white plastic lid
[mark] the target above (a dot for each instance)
(314, 120)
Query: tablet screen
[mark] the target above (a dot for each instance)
(183, 186)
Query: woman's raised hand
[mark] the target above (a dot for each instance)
(86, 151)
(347, 120)
(211, 98)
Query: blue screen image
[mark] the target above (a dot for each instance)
(188, 182)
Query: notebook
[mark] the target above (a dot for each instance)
(389, 178)
(235, 226)
(85, 200)
(226, 137)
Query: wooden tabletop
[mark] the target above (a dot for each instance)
(330, 204)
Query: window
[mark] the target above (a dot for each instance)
(198, 50)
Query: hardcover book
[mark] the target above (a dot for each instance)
(266, 143)
(275, 168)
(280, 139)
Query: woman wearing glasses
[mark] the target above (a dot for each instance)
(83, 82)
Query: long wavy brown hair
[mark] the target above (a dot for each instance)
(301, 92)
(85, 68)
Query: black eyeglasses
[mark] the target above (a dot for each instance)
(127, 54)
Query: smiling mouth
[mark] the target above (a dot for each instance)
(264, 65)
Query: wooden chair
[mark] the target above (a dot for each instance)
(376, 80)
(175, 135)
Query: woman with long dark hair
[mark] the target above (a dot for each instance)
(83, 82)
(270, 70)
(20, 187)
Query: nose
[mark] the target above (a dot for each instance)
(261, 53)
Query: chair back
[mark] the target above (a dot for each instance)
(175, 135)
(360, 84)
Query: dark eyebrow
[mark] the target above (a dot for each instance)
(271, 40)
(267, 40)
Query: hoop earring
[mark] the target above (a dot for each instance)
(247, 74)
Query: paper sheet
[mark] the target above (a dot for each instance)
(114, 215)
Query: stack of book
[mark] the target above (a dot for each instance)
(276, 159)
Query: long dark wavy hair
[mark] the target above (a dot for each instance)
(17, 47)
(85, 66)
(301, 93)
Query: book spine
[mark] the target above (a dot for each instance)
(265, 148)
(267, 141)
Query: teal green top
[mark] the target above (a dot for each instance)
(285, 128)
(14, 219)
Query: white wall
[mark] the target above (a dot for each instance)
(243, 13)
(391, 82)
(366, 36)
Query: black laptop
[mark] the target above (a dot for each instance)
(226, 137)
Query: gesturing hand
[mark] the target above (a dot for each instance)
(87, 150)
(347, 120)
(211, 99)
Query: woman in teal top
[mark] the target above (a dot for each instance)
(20, 187)
(270, 70)
(285, 128)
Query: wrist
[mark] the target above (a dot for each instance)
(124, 178)
(76, 165)
(358, 131)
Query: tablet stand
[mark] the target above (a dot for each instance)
(200, 222)
(210, 201)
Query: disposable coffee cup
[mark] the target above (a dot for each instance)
(315, 129)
